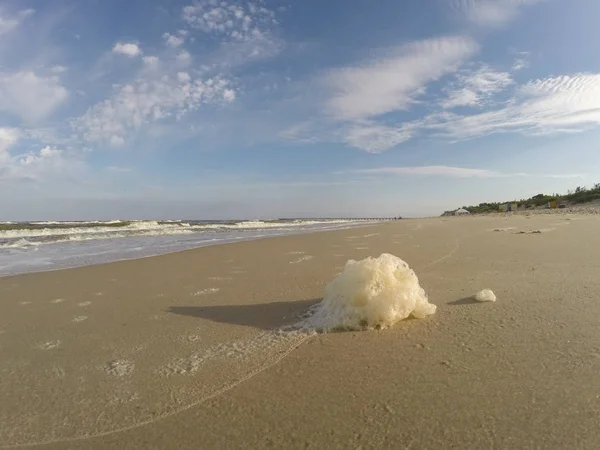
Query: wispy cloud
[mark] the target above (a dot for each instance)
(173, 40)
(491, 12)
(58, 69)
(149, 100)
(30, 97)
(8, 137)
(545, 106)
(238, 21)
(48, 163)
(565, 104)
(9, 22)
(475, 88)
(521, 62)
(245, 30)
(119, 169)
(375, 138)
(453, 172)
(393, 82)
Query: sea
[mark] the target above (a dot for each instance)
(40, 246)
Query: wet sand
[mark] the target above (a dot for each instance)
(181, 350)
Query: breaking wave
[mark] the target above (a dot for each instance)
(27, 234)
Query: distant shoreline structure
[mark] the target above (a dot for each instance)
(578, 197)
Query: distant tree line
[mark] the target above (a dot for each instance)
(580, 195)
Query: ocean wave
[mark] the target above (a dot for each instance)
(80, 223)
(102, 228)
(26, 237)
(46, 229)
(20, 243)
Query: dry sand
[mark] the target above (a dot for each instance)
(181, 351)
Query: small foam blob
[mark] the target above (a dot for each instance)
(373, 293)
(485, 295)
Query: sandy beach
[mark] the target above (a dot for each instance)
(183, 350)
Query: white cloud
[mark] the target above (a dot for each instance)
(375, 138)
(184, 57)
(9, 22)
(119, 169)
(445, 171)
(172, 41)
(519, 64)
(183, 77)
(8, 137)
(130, 49)
(151, 61)
(392, 83)
(134, 105)
(475, 87)
(522, 62)
(302, 133)
(48, 163)
(229, 95)
(245, 29)
(58, 69)
(240, 22)
(454, 172)
(30, 97)
(491, 12)
(551, 105)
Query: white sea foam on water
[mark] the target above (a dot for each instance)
(98, 230)
(21, 243)
(486, 295)
(374, 293)
(31, 247)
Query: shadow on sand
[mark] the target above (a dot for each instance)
(463, 301)
(265, 315)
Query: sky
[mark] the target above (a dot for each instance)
(210, 109)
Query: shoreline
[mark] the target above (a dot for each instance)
(284, 234)
(137, 353)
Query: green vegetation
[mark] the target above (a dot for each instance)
(580, 195)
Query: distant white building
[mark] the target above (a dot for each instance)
(461, 212)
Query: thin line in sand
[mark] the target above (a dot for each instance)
(443, 258)
(200, 400)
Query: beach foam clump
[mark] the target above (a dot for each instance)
(486, 295)
(373, 293)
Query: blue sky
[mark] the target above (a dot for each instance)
(233, 109)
